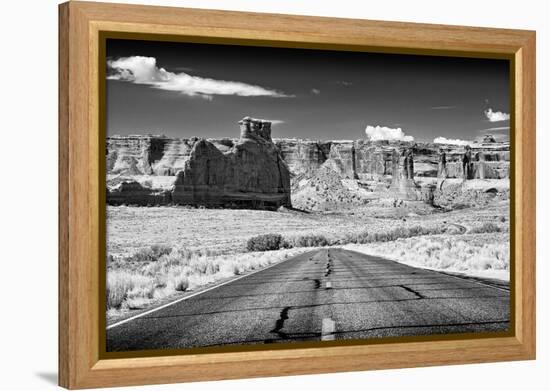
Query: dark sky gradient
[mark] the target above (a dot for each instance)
(356, 90)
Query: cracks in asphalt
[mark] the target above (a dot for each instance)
(418, 294)
(280, 323)
(316, 282)
(307, 336)
(423, 326)
(297, 307)
(283, 315)
(329, 267)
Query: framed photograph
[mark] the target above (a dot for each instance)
(246, 195)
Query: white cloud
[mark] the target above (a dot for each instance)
(453, 141)
(315, 91)
(275, 121)
(376, 133)
(442, 107)
(496, 116)
(495, 129)
(144, 70)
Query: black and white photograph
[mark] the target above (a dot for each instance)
(265, 195)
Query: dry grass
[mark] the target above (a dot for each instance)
(130, 229)
(225, 230)
(123, 285)
(137, 285)
(487, 227)
(400, 233)
(219, 230)
(156, 252)
(266, 242)
(480, 254)
(311, 240)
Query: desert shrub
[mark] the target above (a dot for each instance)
(485, 228)
(381, 237)
(121, 283)
(461, 253)
(181, 283)
(140, 284)
(359, 238)
(365, 237)
(311, 241)
(267, 242)
(115, 262)
(143, 255)
(116, 294)
(236, 269)
(160, 250)
(151, 254)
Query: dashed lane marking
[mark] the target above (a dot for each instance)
(328, 329)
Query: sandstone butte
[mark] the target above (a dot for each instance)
(256, 171)
(248, 172)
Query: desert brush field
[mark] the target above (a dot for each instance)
(156, 253)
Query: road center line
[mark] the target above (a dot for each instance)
(328, 329)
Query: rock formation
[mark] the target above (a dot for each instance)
(254, 169)
(458, 193)
(467, 164)
(133, 155)
(486, 161)
(134, 193)
(403, 185)
(247, 173)
(251, 127)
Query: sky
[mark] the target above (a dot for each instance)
(200, 90)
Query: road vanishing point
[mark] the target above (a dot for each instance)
(321, 295)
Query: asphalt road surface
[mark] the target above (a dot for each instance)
(320, 295)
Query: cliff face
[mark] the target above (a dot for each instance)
(351, 159)
(248, 172)
(256, 171)
(153, 155)
(133, 155)
(303, 157)
(366, 160)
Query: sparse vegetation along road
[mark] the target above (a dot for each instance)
(322, 294)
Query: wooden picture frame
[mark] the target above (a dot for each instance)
(81, 198)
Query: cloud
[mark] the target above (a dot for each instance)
(344, 83)
(442, 107)
(315, 91)
(496, 116)
(144, 70)
(495, 129)
(275, 121)
(376, 133)
(453, 141)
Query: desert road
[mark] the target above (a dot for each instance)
(320, 295)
